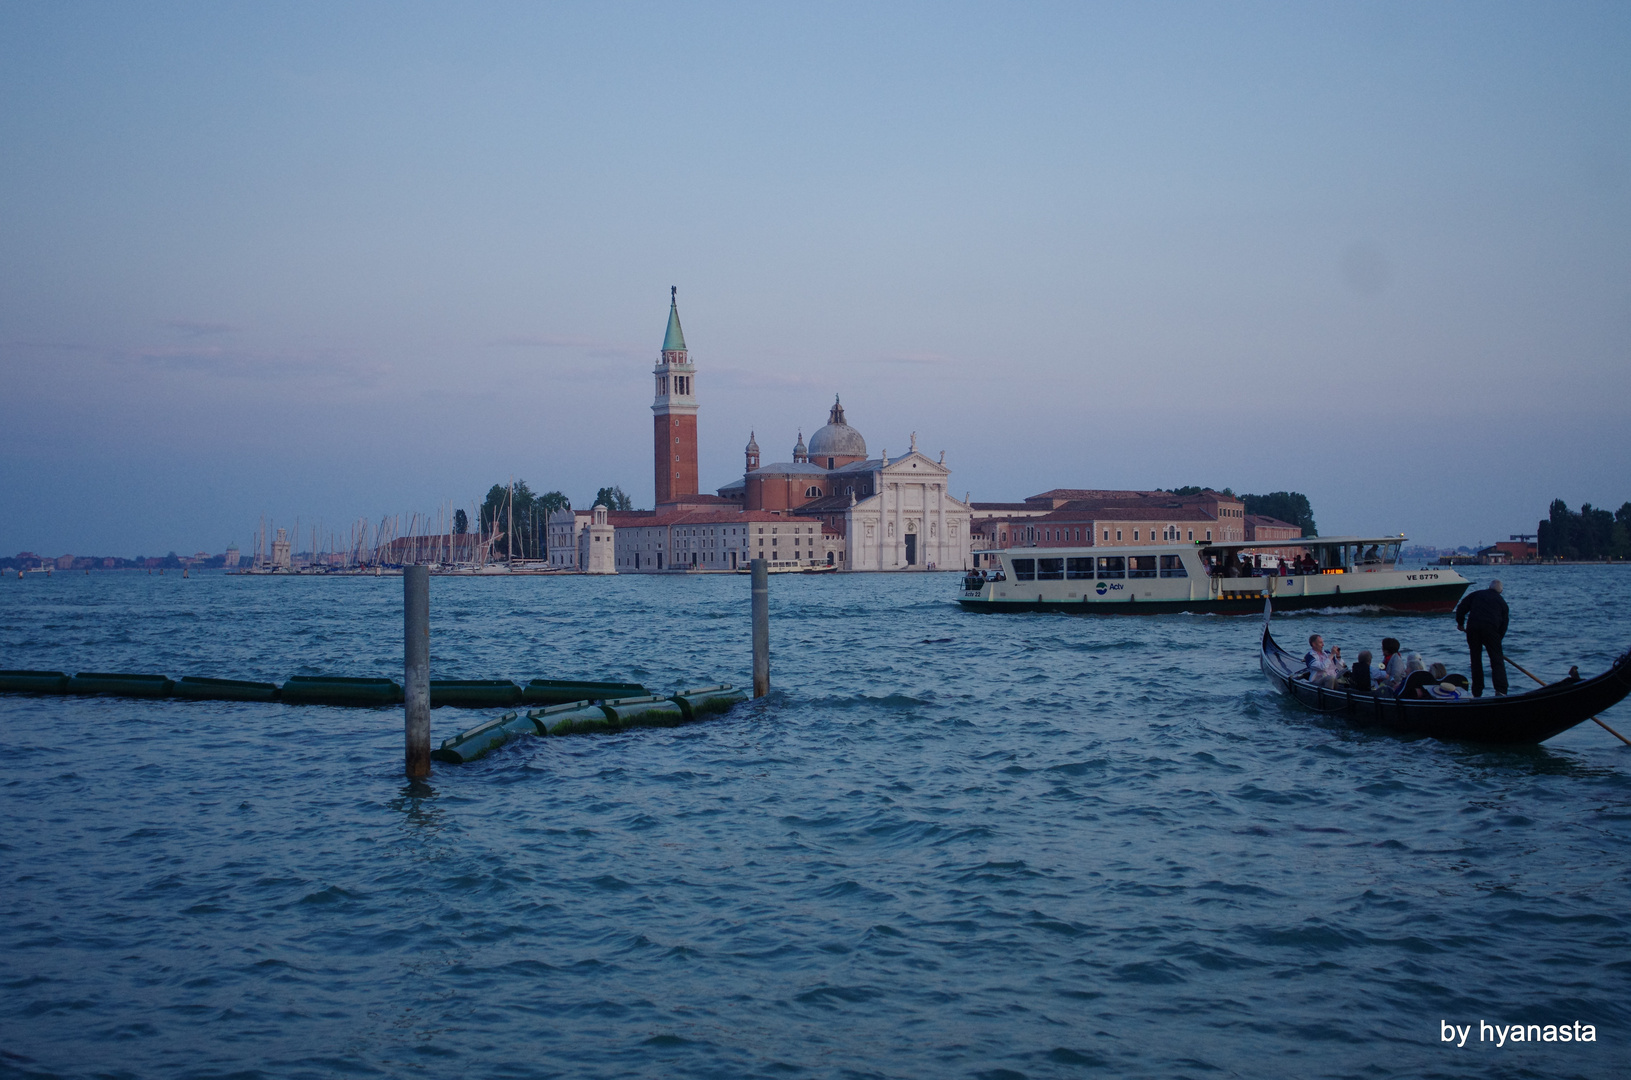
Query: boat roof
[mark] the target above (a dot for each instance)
(1198, 545)
(1302, 541)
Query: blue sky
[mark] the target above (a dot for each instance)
(341, 261)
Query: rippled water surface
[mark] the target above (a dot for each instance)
(949, 845)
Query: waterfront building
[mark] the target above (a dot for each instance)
(595, 544)
(890, 514)
(1074, 517)
(232, 556)
(831, 505)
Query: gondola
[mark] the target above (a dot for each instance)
(1516, 719)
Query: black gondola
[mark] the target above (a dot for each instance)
(1517, 719)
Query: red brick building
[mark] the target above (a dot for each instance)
(1079, 517)
(674, 415)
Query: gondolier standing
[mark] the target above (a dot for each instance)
(1483, 615)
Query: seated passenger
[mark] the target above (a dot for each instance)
(1323, 668)
(1359, 677)
(1441, 688)
(1416, 678)
(1393, 671)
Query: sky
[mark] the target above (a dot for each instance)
(337, 261)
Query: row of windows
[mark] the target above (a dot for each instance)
(1104, 568)
(1046, 535)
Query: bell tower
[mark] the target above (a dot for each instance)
(674, 414)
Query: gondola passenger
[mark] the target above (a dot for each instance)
(1324, 668)
(1359, 677)
(1417, 678)
(1393, 669)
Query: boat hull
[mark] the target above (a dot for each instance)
(1424, 598)
(1520, 719)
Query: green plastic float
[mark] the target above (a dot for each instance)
(480, 740)
(647, 711)
(333, 690)
(708, 700)
(33, 682)
(565, 691)
(197, 688)
(120, 685)
(474, 693)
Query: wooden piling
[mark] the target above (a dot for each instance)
(761, 628)
(416, 669)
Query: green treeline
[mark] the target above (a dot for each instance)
(531, 513)
(1589, 534)
(1291, 507)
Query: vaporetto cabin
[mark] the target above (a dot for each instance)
(1226, 578)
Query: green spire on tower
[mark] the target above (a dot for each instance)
(675, 338)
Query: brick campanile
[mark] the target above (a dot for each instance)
(674, 414)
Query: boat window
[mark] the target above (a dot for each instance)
(1390, 553)
(1112, 566)
(1024, 569)
(1142, 566)
(1079, 569)
(1050, 569)
(1173, 566)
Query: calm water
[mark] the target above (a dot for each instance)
(950, 845)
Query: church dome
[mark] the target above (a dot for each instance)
(837, 439)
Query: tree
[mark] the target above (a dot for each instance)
(496, 513)
(461, 523)
(1193, 489)
(613, 498)
(1289, 506)
(1589, 534)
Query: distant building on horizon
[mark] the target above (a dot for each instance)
(1082, 517)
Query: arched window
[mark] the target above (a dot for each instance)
(812, 492)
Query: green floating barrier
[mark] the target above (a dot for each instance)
(474, 693)
(644, 712)
(120, 685)
(33, 682)
(564, 691)
(573, 718)
(708, 700)
(481, 740)
(201, 689)
(332, 690)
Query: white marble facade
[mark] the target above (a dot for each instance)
(910, 521)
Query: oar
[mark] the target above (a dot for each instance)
(1599, 723)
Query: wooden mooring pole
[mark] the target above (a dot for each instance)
(416, 669)
(761, 628)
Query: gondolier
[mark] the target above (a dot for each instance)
(1483, 615)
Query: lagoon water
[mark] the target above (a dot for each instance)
(949, 845)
